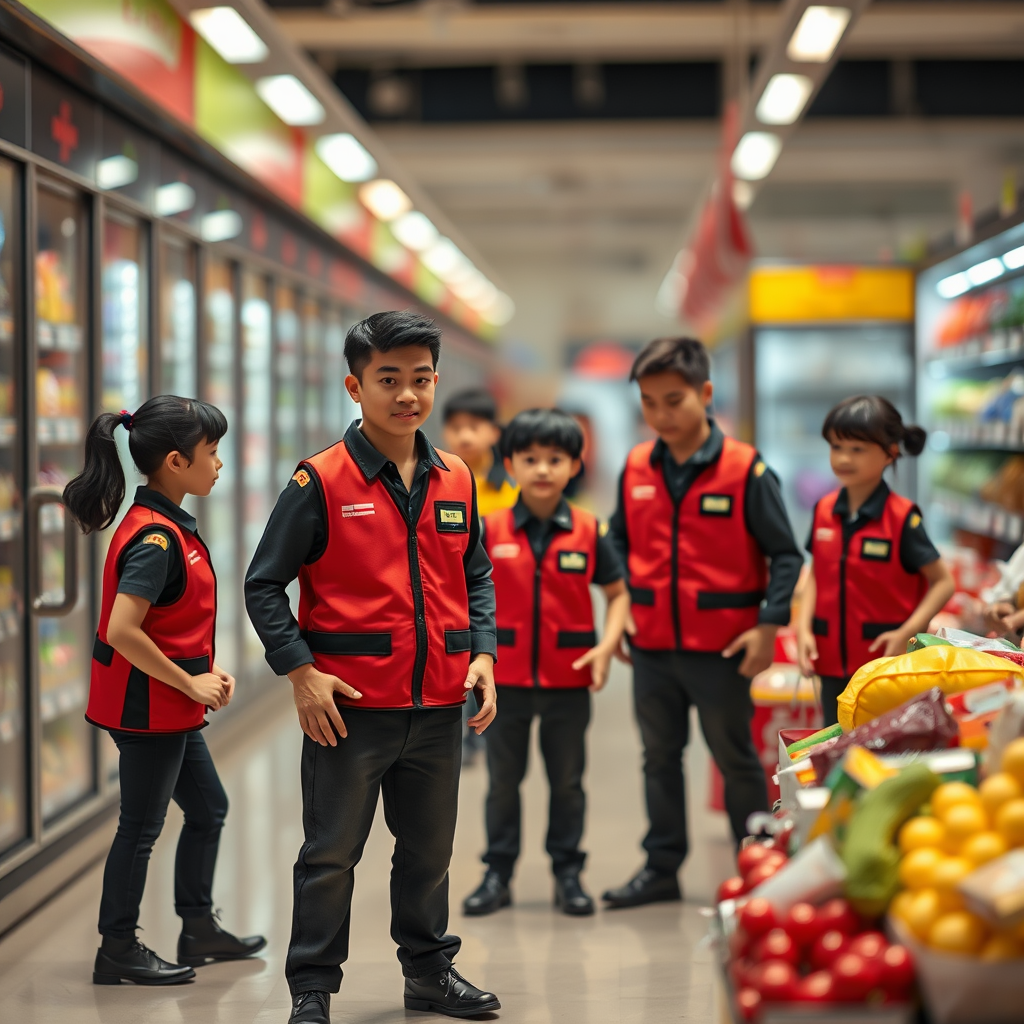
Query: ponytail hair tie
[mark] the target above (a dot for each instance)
(126, 419)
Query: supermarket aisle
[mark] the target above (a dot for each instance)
(637, 965)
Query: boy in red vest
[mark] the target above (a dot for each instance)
(395, 625)
(546, 554)
(712, 563)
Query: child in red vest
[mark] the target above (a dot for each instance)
(154, 677)
(712, 564)
(876, 578)
(546, 555)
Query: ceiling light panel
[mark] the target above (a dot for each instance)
(755, 155)
(384, 199)
(818, 33)
(229, 34)
(784, 99)
(346, 156)
(290, 100)
(415, 231)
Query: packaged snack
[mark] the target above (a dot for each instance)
(996, 890)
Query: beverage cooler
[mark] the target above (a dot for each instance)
(104, 302)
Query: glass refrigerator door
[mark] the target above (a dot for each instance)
(257, 462)
(176, 372)
(63, 626)
(15, 806)
(219, 522)
(339, 409)
(288, 443)
(313, 375)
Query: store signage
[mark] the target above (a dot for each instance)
(12, 98)
(63, 124)
(827, 293)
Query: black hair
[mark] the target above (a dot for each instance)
(162, 425)
(685, 356)
(474, 402)
(382, 332)
(875, 419)
(551, 427)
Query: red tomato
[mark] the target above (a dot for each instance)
(870, 945)
(761, 873)
(839, 915)
(775, 980)
(897, 971)
(739, 971)
(815, 988)
(750, 856)
(749, 1002)
(777, 944)
(730, 889)
(757, 917)
(776, 857)
(826, 948)
(802, 924)
(854, 977)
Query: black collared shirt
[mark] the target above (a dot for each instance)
(296, 535)
(151, 571)
(916, 547)
(766, 519)
(540, 532)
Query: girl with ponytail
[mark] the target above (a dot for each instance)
(154, 677)
(875, 579)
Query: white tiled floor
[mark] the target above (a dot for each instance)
(644, 965)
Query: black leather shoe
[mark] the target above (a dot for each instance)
(448, 993)
(646, 886)
(311, 1008)
(202, 940)
(136, 963)
(491, 895)
(571, 897)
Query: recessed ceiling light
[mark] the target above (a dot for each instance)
(346, 156)
(415, 231)
(384, 199)
(818, 33)
(116, 171)
(1014, 259)
(229, 34)
(174, 197)
(755, 155)
(987, 270)
(221, 225)
(783, 99)
(290, 100)
(954, 285)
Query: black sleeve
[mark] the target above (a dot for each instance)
(617, 527)
(769, 525)
(480, 588)
(607, 567)
(916, 547)
(151, 568)
(296, 533)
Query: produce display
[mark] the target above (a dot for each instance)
(889, 883)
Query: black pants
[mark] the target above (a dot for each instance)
(564, 716)
(831, 688)
(154, 770)
(414, 757)
(666, 684)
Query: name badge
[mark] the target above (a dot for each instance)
(572, 561)
(643, 492)
(716, 505)
(505, 551)
(362, 509)
(824, 534)
(450, 517)
(874, 550)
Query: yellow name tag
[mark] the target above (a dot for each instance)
(301, 478)
(716, 504)
(875, 549)
(156, 538)
(452, 515)
(572, 561)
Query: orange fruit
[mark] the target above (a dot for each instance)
(916, 868)
(901, 904)
(923, 912)
(1010, 822)
(951, 793)
(963, 821)
(920, 832)
(997, 789)
(1013, 759)
(983, 847)
(959, 932)
(1002, 946)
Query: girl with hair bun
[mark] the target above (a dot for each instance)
(154, 677)
(876, 579)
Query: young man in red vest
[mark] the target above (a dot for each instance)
(395, 625)
(546, 554)
(712, 563)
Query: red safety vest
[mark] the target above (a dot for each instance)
(544, 613)
(385, 607)
(862, 588)
(122, 696)
(696, 575)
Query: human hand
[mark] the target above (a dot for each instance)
(208, 688)
(598, 658)
(229, 681)
(480, 679)
(890, 643)
(807, 652)
(758, 645)
(1014, 623)
(622, 648)
(996, 616)
(314, 692)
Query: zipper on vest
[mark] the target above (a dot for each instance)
(676, 612)
(420, 665)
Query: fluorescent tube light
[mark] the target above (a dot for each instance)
(818, 33)
(755, 155)
(384, 199)
(346, 157)
(982, 273)
(290, 100)
(221, 225)
(444, 258)
(229, 34)
(1014, 259)
(500, 311)
(783, 99)
(175, 197)
(116, 171)
(415, 231)
(954, 285)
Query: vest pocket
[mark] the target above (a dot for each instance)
(506, 637)
(642, 596)
(370, 645)
(576, 638)
(457, 641)
(716, 600)
(873, 630)
(101, 652)
(135, 711)
(819, 627)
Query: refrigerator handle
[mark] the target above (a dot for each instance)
(38, 497)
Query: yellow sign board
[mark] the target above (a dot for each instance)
(823, 293)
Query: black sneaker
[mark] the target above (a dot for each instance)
(202, 940)
(311, 1008)
(134, 962)
(449, 993)
(492, 894)
(646, 886)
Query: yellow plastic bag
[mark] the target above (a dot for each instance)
(886, 683)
